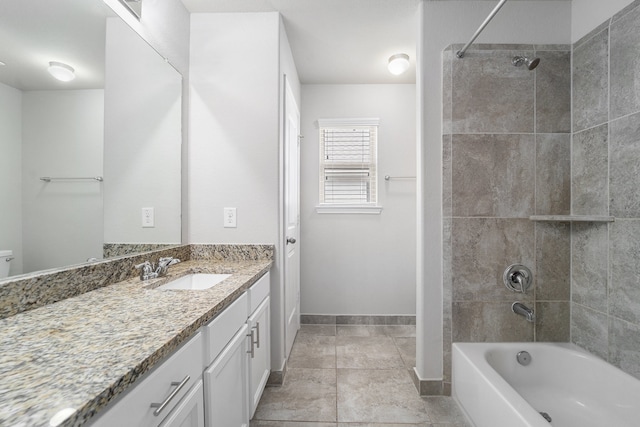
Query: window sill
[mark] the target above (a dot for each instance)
(349, 209)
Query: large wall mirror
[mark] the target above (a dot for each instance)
(90, 164)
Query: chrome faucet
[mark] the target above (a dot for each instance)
(524, 311)
(149, 271)
(164, 264)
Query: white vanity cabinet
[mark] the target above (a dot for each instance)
(170, 395)
(216, 379)
(226, 378)
(259, 324)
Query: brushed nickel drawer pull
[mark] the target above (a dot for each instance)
(258, 334)
(173, 394)
(252, 351)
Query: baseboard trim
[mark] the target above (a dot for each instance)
(430, 387)
(276, 378)
(346, 319)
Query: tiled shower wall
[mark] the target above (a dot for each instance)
(605, 286)
(506, 156)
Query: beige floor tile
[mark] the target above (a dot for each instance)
(361, 330)
(407, 349)
(367, 353)
(307, 395)
(289, 424)
(383, 425)
(400, 330)
(313, 351)
(444, 409)
(378, 396)
(328, 330)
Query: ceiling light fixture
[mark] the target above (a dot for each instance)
(61, 71)
(398, 63)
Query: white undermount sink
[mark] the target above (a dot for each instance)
(198, 281)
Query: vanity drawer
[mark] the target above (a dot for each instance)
(258, 292)
(134, 408)
(220, 330)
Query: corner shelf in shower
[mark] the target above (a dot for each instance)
(572, 218)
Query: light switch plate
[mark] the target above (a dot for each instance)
(230, 218)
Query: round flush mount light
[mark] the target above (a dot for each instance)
(61, 71)
(398, 63)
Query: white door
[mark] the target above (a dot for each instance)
(291, 217)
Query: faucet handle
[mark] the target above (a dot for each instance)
(146, 270)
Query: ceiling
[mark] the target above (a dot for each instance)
(35, 32)
(338, 41)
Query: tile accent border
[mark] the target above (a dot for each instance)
(345, 319)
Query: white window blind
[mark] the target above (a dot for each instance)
(348, 172)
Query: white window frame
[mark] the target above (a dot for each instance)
(341, 207)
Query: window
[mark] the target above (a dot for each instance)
(348, 166)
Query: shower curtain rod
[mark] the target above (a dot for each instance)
(460, 53)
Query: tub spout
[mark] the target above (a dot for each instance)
(524, 311)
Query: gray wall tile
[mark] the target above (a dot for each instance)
(589, 330)
(553, 92)
(553, 261)
(624, 346)
(624, 151)
(624, 297)
(498, 99)
(447, 58)
(446, 176)
(589, 264)
(481, 250)
(589, 169)
(625, 65)
(590, 82)
(553, 174)
(493, 175)
(552, 321)
(489, 322)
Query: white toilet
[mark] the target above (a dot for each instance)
(5, 263)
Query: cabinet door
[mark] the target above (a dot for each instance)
(190, 410)
(226, 385)
(260, 362)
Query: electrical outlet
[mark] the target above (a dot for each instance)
(147, 218)
(230, 218)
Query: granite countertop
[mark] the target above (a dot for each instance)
(81, 352)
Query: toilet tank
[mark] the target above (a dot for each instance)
(5, 262)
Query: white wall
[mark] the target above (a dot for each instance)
(62, 134)
(142, 151)
(237, 67)
(444, 23)
(11, 174)
(233, 153)
(588, 14)
(361, 264)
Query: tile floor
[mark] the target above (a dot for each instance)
(353, 376)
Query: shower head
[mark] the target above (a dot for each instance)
(530, 63)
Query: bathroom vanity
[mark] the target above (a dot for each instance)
(129, 350)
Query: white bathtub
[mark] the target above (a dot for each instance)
(574, 387)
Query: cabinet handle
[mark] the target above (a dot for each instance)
(173, 394)
(258, 334)
(252, 351)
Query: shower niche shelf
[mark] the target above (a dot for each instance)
(572, 218)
